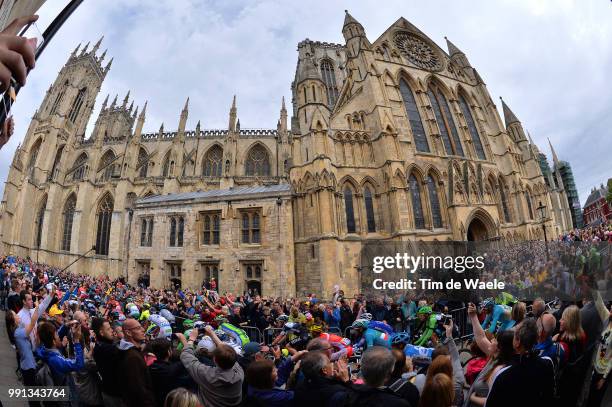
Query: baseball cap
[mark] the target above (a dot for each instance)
(206, 343)
(251, 348)
(54, 310)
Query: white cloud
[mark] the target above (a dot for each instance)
(549, 59)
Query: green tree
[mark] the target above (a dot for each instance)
(609, 194)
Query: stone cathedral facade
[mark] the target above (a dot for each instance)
(392, 139)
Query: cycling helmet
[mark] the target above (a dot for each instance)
(400, 337)
(367, 316)
(292, 326)
(360, 323)
(133, 312)
(168, 315)
(188, 324)
(425, 309)
(488, 302)
(159, 327)
(220, 319)
(283, 318)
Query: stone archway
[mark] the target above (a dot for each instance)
(477, 231)
(480, 226)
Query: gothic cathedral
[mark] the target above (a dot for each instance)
(394, 139)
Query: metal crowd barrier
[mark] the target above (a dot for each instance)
(270, 334)
(460, 320)
(253, 333)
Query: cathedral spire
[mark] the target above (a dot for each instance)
(114, 101)
(75, 50)
(509, 116)
(97, 46)
(140, 121)
(144, 112)
(108, 66)
(351, 27)
(105, 102)
(232, 115)
(183, 118)
(84, 49)
(554, 153)
(452, 48)
(349, 19)
(125, 99)
(102, 56)
(282, 123)
(197, 129)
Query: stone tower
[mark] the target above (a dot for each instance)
(57, 128)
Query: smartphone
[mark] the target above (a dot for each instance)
(32, 31)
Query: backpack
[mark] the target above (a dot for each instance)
(555, 361)
(43, 375)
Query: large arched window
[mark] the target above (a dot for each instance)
(106, 165)
(55, 168)
(349, 210)
(78, 171)
(143, 163)
(257, 162)
(68, 218)
(504, 202)
(436, 214)
(168, 168)
(105, 215)
(76, 106)
(58, 99)
(213, 162)
(417, 207)
(529, 207)
(34, 155)
(469, 119)
(414, 117)
(329, 78)
(369, 206)
(444, 118)
(40, 219)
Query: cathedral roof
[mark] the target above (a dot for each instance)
(260, 191)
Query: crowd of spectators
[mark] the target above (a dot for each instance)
(80, 331)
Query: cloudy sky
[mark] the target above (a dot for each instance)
(548, 59)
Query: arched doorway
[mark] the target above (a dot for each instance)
(254, 287)
(477, 231)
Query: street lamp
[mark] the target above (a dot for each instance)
(542, 213)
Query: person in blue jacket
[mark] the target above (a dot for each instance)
(264, 381)
(49, 353)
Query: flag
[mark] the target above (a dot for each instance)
(181, 294)
(65, 297)
(110, 290)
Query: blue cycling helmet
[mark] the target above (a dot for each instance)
(360, 323)
(400, 337)
(488, 302)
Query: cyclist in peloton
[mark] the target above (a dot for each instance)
(426, 325)
(501, 313)
(368, 337)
